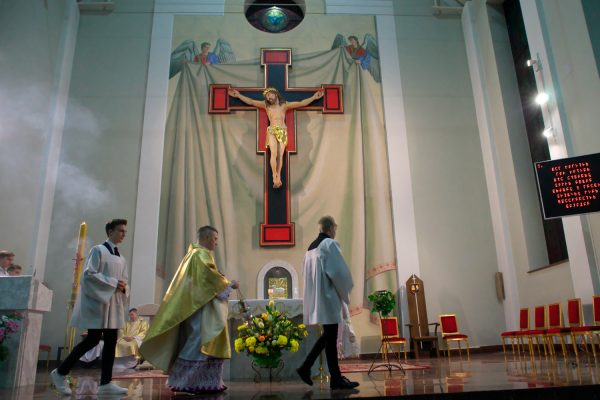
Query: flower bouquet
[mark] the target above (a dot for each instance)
(264, 337)
(8, 325)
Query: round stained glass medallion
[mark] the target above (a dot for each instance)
(274, 16)
(274, 19)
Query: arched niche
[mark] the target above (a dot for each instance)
(277, 269)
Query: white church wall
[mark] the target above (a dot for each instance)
(101, 143)
(577, 75)
(493, 137)
(454, 229)
(30, 34)
(100, 154)
(518, 154)
(517, 220)
(526, 231)
(558, 39)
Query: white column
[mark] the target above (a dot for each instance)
(54, 133)
(477, 72)
(143, 263)
(403, 210)
(577, 235)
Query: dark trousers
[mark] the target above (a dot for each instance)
(89, 342)
(327, 341)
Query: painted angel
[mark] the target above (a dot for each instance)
(365, 54)
(188, 52)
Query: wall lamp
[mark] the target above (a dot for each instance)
(542, 98)
(534, 64)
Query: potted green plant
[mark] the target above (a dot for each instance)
(383, 301)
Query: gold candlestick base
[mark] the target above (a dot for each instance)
(321, 376)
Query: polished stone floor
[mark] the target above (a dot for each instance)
(484, 372)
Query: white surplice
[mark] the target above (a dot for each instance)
(327, 284)
(99, 304)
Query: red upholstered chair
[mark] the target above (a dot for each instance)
(577, 324)
(46, 348)
(596, 326)
(596, 304)
(556, 328)
(390, 335)
(516, 337)
(450, 333)
(539, 329)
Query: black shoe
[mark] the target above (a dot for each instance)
(304, 374)
(342, 383)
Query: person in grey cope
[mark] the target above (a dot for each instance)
(99, 308)
(327, 285)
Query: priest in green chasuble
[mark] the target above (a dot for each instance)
(188, 337)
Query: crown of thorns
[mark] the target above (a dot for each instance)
(269, 90)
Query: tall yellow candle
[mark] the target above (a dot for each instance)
(78, 261)
(70, 331)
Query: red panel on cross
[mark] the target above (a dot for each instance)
(276, 57)
(274, 234)
(219, 99)
(333, 100)
(333, 103)
(290, 122)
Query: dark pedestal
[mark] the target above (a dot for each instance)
(431, 340)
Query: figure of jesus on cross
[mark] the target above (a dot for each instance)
(276, 122)
(275, 106)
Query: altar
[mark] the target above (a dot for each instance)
(240, 365)
(24, 301)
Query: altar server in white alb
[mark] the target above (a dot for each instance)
(100, 308)
(327, 285)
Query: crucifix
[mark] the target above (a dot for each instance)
(277, 228)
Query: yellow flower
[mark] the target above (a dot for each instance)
(295, 345)
(238, 344)
(282, 340)
(269, 331)
(271, 303)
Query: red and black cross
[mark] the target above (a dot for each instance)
(277, 229)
